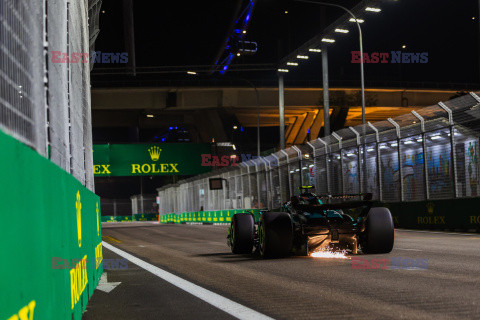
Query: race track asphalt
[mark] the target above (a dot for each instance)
(445, 286)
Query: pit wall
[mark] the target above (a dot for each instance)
(50, 238)
(220, 216)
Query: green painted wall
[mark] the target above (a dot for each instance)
(220, 216)
(463, 214)
(50, 222)
(135, 217)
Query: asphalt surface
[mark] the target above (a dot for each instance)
(445, 286)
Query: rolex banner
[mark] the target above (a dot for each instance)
(149, 159)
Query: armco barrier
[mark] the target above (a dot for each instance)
(220, 216)
(50, 238)
(135, 217)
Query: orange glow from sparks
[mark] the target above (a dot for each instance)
(328, 254)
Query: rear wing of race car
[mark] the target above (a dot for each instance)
(346, 201)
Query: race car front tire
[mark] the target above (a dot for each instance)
(275, 233)
(379, 233)
(242, 233)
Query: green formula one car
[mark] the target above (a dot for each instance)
(310, 223)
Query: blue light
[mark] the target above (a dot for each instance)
(247, 18)
(170, 128)
(237, 31)
(176, 128)
(156, 137)
(225, 68)
(308, 130)
(241, 129)
(163, 139)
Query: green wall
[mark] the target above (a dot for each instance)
(462, 214)
(50, 222)
(135, 217)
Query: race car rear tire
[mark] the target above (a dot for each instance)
(242, 233)
(275, 233)
(379, 234)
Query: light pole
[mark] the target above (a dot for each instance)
(362, 73)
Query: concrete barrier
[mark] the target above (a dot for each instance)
(50, 237)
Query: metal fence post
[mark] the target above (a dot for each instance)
(299, 152)
(288, 171)
(452, 143)
(400, 169)
(424, 147)
(359, 162)
(327, 171)
(266, 175)
(379, 164)
(341, 159)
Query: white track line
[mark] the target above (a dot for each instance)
(234, 309)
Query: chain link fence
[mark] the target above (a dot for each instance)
(144, 204)
(43, 103)
(426, 155)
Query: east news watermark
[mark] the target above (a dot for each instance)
(395, 263)
(86, 57)
(393, 57)
(211, 160)
(108, 264)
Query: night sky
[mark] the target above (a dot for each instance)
(179, 33)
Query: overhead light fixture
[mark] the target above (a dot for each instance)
(311, 166)
(408, 142)
(341, 30)
(435, 137)
(302, 57)
(315, 50)
(404, 47)
(371, 9)
(286, 12)
(233, 146)
(394, 144)
(235, 127)
(307, 156)
(304, 168)
(370, 150)
(328, 40)
(282, 70)
(244, 31)
(419, 140)
(238, 54)
(292, 64)
(150, 115)
(383, 147)
(358, 20)
(191, 72)
(349, 154)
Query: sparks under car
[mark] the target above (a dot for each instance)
(309, 223)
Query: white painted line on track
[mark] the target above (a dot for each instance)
(407, 249)
(440, 232)
(234, 309)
